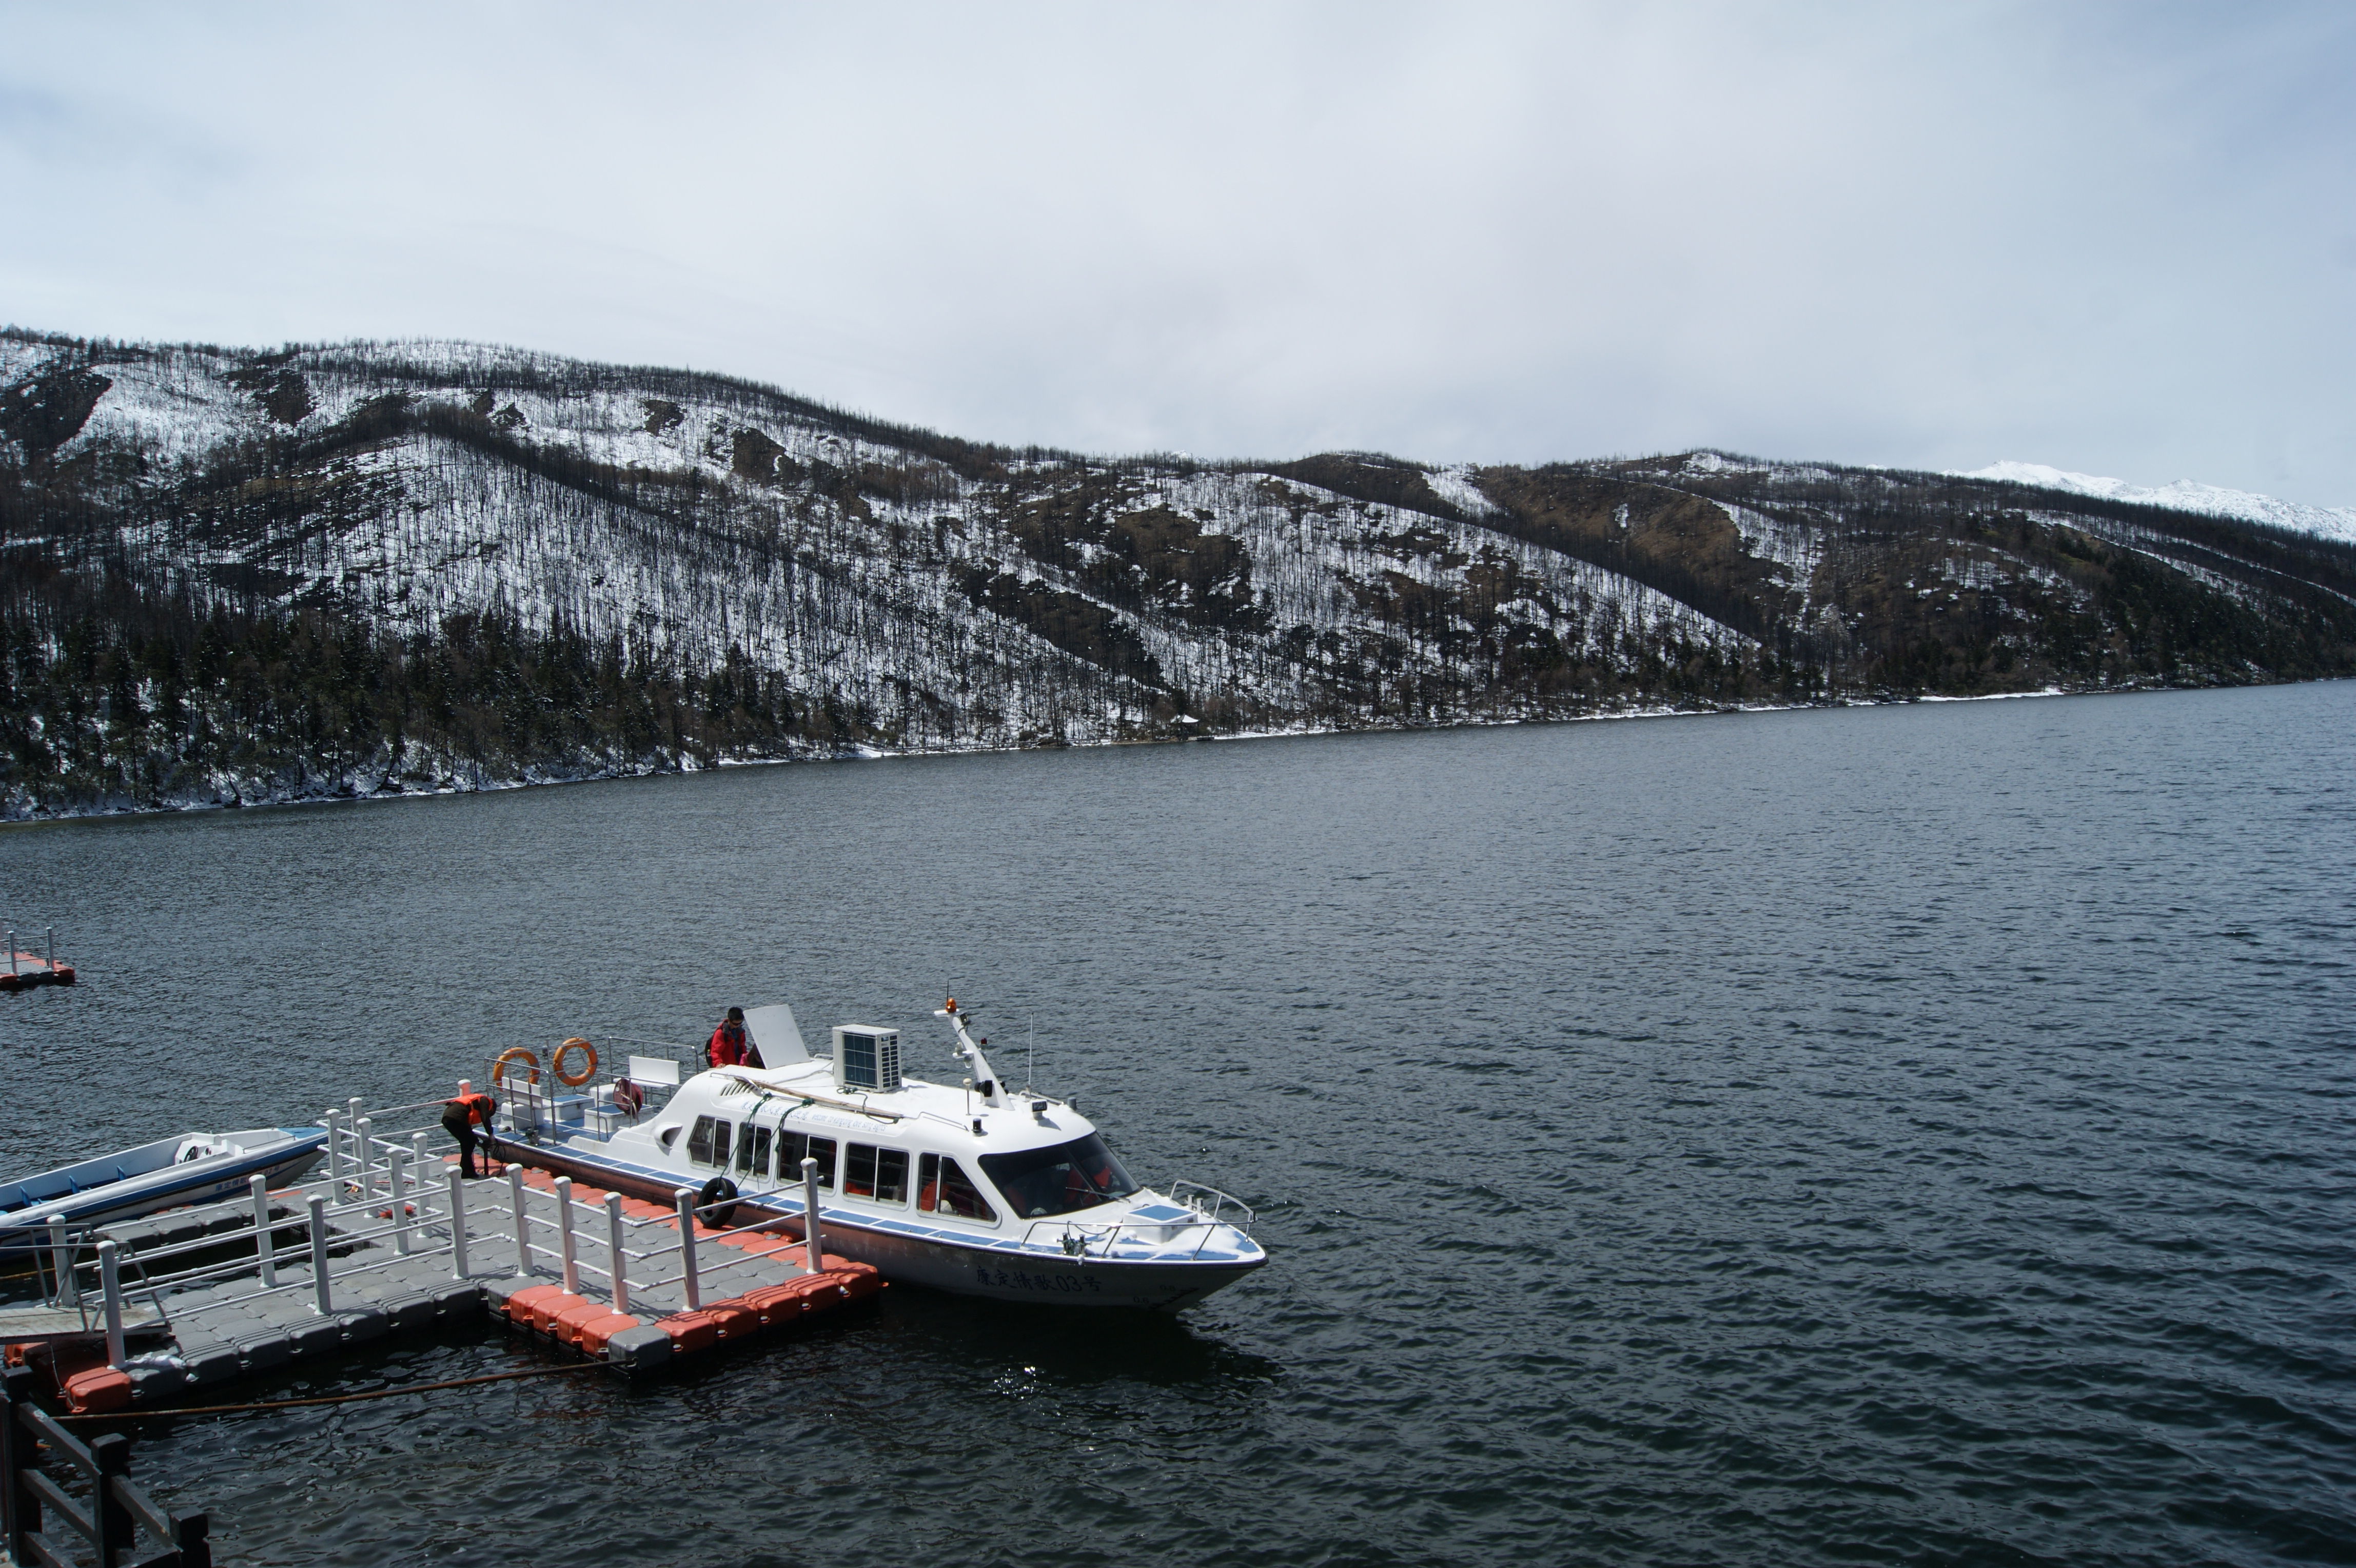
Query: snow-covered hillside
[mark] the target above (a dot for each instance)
(380, 566)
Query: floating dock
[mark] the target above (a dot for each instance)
(184, 1302)
(26, 969)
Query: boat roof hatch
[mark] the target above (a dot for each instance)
(776, 1033)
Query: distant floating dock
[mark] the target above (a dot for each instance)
(26, 969)
(161, 1311)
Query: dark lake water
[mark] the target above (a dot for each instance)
(1907, 1135)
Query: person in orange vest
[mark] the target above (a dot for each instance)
(461, 1117)
(731, 1046)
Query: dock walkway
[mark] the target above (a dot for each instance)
(606, 1276)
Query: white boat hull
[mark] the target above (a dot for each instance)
(989, 1266)
(279, 1156)
(1030, 1277)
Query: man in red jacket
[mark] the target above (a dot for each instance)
(731, 1046)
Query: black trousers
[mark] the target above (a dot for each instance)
(455, 1122)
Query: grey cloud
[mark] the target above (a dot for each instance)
(2112, 238)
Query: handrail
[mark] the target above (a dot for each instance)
(434, 1228)
(1220, 1203)
(346, 1241)
(1073, 1228)
(232, 1235)
(1112, 1232)
(359, 1268)
(396, 1109)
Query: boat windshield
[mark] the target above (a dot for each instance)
(1059, 1179)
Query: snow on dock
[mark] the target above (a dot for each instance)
(367, 1251)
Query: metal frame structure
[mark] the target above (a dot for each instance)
(34, 1508)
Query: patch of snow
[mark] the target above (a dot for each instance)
(1455, 487)
(1793, 548)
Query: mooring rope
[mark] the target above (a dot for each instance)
(335, 1399)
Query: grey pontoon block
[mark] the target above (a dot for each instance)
(263, 1351)
(415, 1310)
(496, 1290)
(362, 1324)
(213, 1363)
(458, 1297)
(641, 1349)
(319, 1336)
(158, 1379)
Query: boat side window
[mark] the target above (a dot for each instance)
(792, 1148)
(753, 1149)
(698, 1140)
(943, 1187)
(719, 1131)
(891, 1175)
(879, 1173)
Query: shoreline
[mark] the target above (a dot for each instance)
(346, 796)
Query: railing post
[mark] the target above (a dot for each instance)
(614, 1244)
(564, 1234)
(190, 1533)
(523, 1221)
(114, 1533)
(260, 1188)
(816, 1248)
(334, 1148)
(319, 1291)
(111, 1281)
(392, 1178)
(61, 1256)
(684, 1201)
(20, 1507)
(420, 1162)
(457, 1223)
(365, 1127)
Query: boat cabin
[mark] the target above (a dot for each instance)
(972, 1155)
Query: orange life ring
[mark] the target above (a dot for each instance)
(573, 1079)
(513, 1053)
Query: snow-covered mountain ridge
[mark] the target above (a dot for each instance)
(232, 575)
(2182, 495)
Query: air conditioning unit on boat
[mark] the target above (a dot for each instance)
(866, 1057)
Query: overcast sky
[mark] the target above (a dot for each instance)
(2118, 240)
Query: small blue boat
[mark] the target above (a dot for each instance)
(196, 1167)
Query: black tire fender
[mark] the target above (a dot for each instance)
(716, 1204)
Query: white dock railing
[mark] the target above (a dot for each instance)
(373, 1177)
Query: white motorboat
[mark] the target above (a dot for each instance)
(195, 1167)
(976, 1188)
